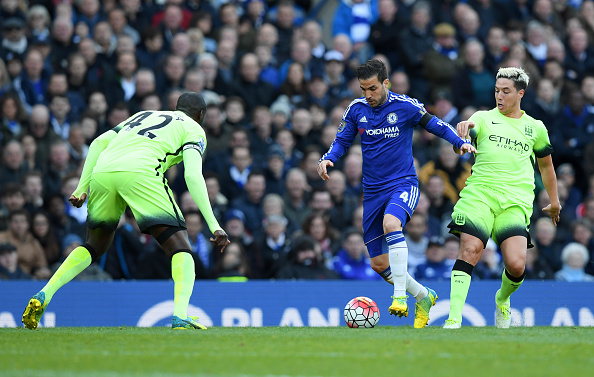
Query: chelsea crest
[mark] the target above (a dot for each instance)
(392, 118)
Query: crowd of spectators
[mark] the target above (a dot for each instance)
(70, 70)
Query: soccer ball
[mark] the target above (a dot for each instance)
(361, 312)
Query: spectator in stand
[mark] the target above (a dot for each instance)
(386, 30)
(235, 176)
(305, 262)
(353, 165)
(352, 260)
(549, 248)
(301, 53)
(43, 231)
(226, 56)
(566, 174)
(273, 246)
(12, 199)
(250, 86)
(13, 117)
(233, 264)
(441, 63)
(173, 73)
(416, 240)
(32, 186)
(574, 257)
(119, 24)
(415, 41)
(32, 83)
(451, 246)
(275, 170)
(218, 201)
(63, 223)
(296, 208)
(14, 40)
(30, 253)
(286, 140)
(537, 268)
(250, 203)
(435, 266)
(354, 19)
(217, 130)
(452, 170)
(434, 225)
(285, 19)
(9, 266)
(201, 248)
(59, 165)
(58, 86)
(546, 105)
(13, 166)
(295, 86)
(474, 81)
(151, 53)
(60, 115)
(260, 130)
(343, 204)
(312, 32)
(580, 55)
(496, 45)
(441, 205)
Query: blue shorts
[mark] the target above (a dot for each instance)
(399, 201)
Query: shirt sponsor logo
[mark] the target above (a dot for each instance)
(386, 132)
(507, 143)
(392, 118)
(341, 126)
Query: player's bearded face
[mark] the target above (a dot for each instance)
(374, 91)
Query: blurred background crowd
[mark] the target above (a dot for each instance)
(277, 77)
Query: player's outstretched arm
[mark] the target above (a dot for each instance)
(549, 179)
(197, 188)
(98, 145)
(323, 169)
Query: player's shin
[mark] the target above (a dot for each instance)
(509, 284)
(183, 273)
(77, 261)
(398, 256)
(460, 283)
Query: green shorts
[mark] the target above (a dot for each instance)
(148, 196)
(484, 212)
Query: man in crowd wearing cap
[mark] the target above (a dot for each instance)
(334, 75)
(9, 266)
(126, 167)
(436, 266)
(441, 62)
(14, 41)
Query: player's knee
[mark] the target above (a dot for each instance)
(515, 269)
(392, 224)
(470, 253)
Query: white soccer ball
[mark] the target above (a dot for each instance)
(361, 312)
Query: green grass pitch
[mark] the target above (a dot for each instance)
(290, 351)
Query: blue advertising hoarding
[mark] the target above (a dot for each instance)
(286, 303)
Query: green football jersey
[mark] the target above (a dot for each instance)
(506, 151)
(151, 141)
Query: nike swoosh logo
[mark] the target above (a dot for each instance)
(458, 275)
(495, 122)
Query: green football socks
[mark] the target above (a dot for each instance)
(77, 261)
(460, 283)
(509, 284)
(183, 273)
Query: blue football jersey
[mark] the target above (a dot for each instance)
(386, 138)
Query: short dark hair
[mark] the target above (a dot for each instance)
(191, 103)
(372, 68)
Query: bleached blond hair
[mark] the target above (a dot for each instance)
(517, 75)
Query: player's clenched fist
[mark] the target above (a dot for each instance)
(463, 128)
(323, 170)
